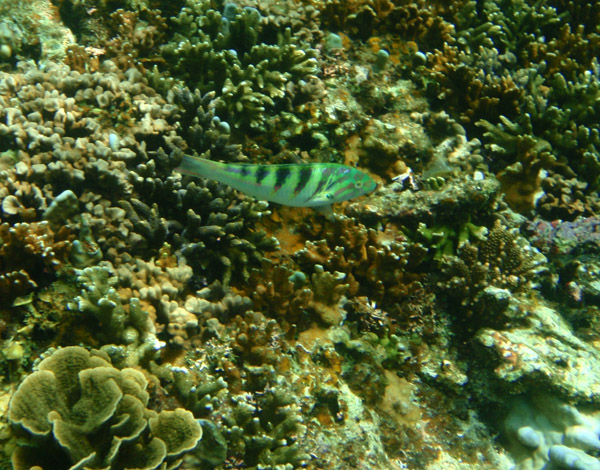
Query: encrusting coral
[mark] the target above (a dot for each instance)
(76, 409)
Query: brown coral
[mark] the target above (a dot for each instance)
(379, 264)
(298, 301)
(483, 277)
(135, 37)
(30, 255)
(349, 260)
(565, 198)
(471, 93)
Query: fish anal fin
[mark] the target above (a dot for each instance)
(326, 210)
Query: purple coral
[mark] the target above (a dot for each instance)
(563, 238)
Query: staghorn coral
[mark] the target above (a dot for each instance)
(77, 409)
(421, 22)
(557, 132)
(215, 301)
(213, 232)
(207, 134)
(301, 18)
(360, 18)
(530, 100)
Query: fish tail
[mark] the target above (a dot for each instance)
(196, 166)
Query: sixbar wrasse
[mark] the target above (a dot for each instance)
(300, 185)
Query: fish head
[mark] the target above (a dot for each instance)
(353, 183)
(363, 184)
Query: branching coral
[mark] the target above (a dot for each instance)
(557, 132)
(233, 54)
(104, 137)
(233, 380)
(349, 260)
(304, 350)
(534, 99)
(119, 323)
(297, 300)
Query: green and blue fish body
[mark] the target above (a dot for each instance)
(316, 185)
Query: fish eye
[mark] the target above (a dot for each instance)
(358, 184)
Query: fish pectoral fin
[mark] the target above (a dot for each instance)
(326, 210)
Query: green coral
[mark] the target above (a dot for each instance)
(444, 240)
(76, 410)
(127, 325)
(234, 54)
(524, 77)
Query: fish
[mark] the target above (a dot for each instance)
(317, 185)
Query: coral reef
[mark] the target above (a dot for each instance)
(31, 31)
(533, 99)
(259, 414)
(102, 308)
(524, 360)
(105, 188)
(77, 409)
(407, 330)
(565, 238)
(28, 252)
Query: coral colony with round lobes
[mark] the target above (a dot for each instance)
(151, 319)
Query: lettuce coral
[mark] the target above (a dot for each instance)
(76, 410)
